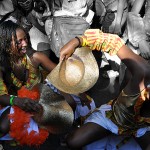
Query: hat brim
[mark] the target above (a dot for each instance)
(90, 77)
(57, 116)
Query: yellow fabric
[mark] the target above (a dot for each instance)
(97, 40)
(3, 89)
(33, 78)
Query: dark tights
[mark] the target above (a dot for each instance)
(91, 132)
(144, 141)
(86, 134)
(4, 122)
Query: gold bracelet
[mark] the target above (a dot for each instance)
(84, 41)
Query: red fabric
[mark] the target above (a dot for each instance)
(21, 119)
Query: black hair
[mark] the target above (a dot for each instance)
(39, 6)
(7, 29)
(24, 10)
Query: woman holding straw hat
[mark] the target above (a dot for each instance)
(129, 113)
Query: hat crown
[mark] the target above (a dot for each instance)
(72, 71)
(77, 74)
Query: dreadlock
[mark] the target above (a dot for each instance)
(7, 29)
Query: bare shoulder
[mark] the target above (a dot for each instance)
(40, 57)
(35, 58)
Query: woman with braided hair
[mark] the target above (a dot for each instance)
(19, 66)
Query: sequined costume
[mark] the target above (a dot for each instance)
(121, 117)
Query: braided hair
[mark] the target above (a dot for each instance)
(7, 29)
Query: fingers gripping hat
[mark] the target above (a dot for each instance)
(77, 74)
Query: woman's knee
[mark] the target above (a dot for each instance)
(4, 128)
(73, 141)
(86, 134)
(4, 122)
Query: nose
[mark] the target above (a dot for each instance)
(24, 43)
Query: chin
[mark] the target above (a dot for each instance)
(21, 54)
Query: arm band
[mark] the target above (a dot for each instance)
(84, 41)
(11, 100)
(78, 41)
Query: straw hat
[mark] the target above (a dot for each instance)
(57, 115)
(77, 74)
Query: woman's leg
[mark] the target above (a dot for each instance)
(86, 134)
(4, 122)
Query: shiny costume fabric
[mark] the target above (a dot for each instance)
(122, 116)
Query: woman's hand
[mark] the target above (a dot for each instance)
(68, 49)
(27, 104)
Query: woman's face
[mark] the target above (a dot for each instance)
(19, 46)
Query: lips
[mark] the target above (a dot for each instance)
(23, 50)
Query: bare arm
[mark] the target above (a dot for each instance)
(136, 64)
(6, 99)
(95, 39)
(34, 22)
(120, 10)
(137, 5)
(41, 59)
(139, 69)
(25, 104)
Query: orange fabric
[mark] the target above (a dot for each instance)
(21, 119)
(3, 89)
(144, 96)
